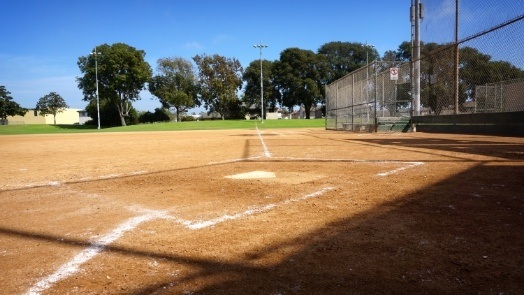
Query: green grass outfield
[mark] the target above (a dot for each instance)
(171, 126)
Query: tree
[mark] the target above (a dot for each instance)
(251, 78)
(160, 115)
(8, 107)
(109, 116)
(51, 104)
(404, 51)
(299, 75)
(345, 57)
(122, 74)
(477, 68)
(219, 78)
(176, 85)
(436, 76)
(390, 55)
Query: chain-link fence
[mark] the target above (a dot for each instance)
(480, 67)
(379, 90)
(504, 96)
(487, 55)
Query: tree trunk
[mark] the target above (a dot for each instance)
(122, 119)
(120, 108)
(307, 110)
(177, 114)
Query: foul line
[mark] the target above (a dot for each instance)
(266, 150)
(84, 179)
(412, 164)
(73, 266)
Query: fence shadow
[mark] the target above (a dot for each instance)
(461, 235)
(434, 241)
(503, 150)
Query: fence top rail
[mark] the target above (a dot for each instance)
(364, 68)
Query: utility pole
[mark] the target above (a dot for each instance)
(96, 78)
(456, 65)
(416, 16)
(260, 46)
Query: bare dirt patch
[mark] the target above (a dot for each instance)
(155, 213)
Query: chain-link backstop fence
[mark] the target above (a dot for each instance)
(490, 67)
(355, 101)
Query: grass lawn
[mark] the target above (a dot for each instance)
(171, 126)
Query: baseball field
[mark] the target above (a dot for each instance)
(261, 211)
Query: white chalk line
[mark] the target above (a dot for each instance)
(84, 179)
(233, 160)
(73, 266)
(267, 154)
(408, 166)
(257, 210)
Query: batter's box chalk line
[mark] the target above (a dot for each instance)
(408, 166)
(73, 266)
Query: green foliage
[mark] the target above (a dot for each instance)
(234, 110)
(122, 74)
(219, 78)
(345, 57)
(51, 104)
(159, 115)
(299, 75)
(251, 78)
(109, 115)
(404, 51)
(176, 85)
(8, 107)
(475, 68)
(188, 119)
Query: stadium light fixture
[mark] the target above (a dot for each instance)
(96, 78)
(260, 46)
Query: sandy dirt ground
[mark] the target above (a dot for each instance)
(291, 211)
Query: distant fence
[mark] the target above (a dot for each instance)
(504, 96)
(490, 74)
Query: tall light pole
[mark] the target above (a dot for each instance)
(96, 77)
(260, 46)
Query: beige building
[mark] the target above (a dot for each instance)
(66, 117)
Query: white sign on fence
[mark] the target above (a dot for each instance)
(393, 74)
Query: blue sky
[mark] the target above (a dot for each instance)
(42, 40)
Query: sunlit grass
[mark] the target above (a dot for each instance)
(170, 126)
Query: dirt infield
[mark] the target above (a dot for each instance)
(291, 211)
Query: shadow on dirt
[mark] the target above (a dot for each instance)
(510, 151)
(462, 235)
